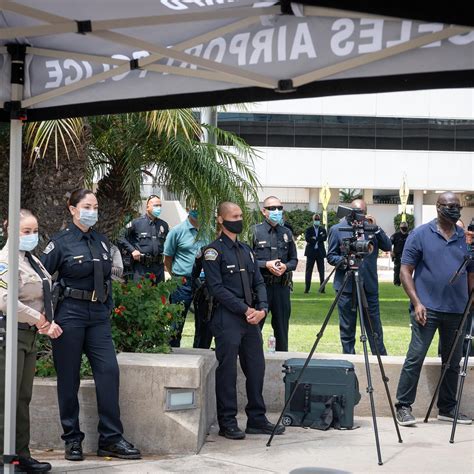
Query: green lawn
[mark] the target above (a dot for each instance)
(308, 312)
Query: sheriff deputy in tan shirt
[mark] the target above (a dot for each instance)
(31, 319)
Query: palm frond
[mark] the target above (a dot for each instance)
(39, 136)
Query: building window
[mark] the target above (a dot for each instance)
(330, 131)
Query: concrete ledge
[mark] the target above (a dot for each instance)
(144, 379)
(273, 391)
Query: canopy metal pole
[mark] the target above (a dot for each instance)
(17, 55)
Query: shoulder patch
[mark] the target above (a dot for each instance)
(104, 245)
(49, 248)
(210, 254)
(285, 237)
(3, 284)
(3, 268)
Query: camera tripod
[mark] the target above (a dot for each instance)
(467, 335)
(363, 311)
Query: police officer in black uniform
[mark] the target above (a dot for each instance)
(277, 257)
(81, 256)
(144, 240)
(398, 243)
(235, 282)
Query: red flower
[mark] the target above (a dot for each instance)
(152, 276)
(139, 286)
(183, 280)
(118, 312)
(122, 308)
(163, 299)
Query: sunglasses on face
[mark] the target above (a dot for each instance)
(274, 208)
(452, 206)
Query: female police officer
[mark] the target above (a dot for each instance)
(81, 256)
(34, 313)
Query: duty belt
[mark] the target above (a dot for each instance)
(284, 280)
(27, 327)
(148, 259)
(84, 294)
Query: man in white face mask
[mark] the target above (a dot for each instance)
(277, 258)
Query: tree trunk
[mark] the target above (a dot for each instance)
(45, 187)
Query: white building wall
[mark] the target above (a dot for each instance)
(373, 169)
(440, 103)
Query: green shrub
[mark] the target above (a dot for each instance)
(142, 321)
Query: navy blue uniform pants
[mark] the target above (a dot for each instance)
(310, 261)
(348, 323)
(421, 337)
(86, 329)
(235, 337)
(279, 305)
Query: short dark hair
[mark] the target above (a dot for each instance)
(77, 196)
(152, 196)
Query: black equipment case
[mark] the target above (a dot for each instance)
(326, 395)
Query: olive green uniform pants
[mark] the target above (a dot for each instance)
(25, 376)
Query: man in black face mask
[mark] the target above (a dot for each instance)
(234, 279)
(398, 243)
(432, 254)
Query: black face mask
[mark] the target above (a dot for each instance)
(236, 227)
(453, 214)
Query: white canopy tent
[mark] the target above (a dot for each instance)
(124, 56)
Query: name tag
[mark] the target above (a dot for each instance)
(262, 242)
(230, 266)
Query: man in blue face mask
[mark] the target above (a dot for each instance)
(315, 251)
(277, 258)
(144, 242)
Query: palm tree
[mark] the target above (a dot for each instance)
(117, 151)
(166, 146)
(348, 195)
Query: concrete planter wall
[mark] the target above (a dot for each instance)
(144, 379)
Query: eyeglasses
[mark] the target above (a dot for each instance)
(274, 208)
(452, 206)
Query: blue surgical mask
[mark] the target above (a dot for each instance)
(28, 242)
(156, 211)
(317, 223)
(87, 217)
(194, 214)
(275, 216)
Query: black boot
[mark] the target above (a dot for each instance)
(73, 451)
(122, 449)
(31, 465)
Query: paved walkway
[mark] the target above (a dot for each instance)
(426, 449)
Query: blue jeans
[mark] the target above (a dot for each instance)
(183, 295)
(421, 337)
(348, 323)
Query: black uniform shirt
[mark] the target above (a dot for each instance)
(68, 253)
(146, 235)
(272, 243)
(398, 240)
(223, 278)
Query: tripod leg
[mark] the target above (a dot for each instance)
(370, 389)
(445, 366)
(310, 355)
(462, 376)
(385, 379)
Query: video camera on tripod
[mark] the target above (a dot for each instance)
(355, 247)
